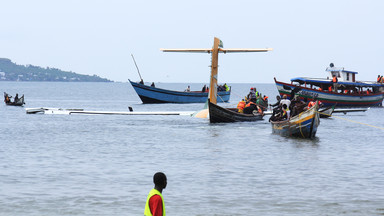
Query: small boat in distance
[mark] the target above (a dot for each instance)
(346, 92)
(150, 94)
(18, 101)
(303, 125)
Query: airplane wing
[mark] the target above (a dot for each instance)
(188, 50)
(244, 50)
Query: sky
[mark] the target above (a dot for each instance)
(98, 37)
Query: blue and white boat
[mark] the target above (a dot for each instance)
(149, 94)
(349, 92)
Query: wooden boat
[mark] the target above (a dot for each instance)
(349, 93)
(18, 102)
(149, 94)
(220, 114)
(303, 125)
(327, 111)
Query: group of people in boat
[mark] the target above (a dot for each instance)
(224, 87)
(253, 103)
(342, 89)
(284, 109)
(142, 83)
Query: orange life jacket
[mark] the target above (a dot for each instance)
(330, 88)
(311, 104)
(334, 80)
(249, 104)
(241, 105)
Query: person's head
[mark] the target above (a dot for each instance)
(278, 97)
(285, 97)
(160, 180)
(285, 106)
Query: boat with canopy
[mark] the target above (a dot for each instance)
(347, 92)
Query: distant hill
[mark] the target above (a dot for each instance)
(10, 71)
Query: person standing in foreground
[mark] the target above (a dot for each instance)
(155, 201)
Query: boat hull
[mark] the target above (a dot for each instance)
(303, 125)
(331, 98)
(150, 94)
(218, 114)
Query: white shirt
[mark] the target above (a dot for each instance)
(285, 101)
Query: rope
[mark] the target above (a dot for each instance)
(352, 121)
(300, 125)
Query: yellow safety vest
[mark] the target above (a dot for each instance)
(147, 210)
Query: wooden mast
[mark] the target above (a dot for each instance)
(217, 47)
(215, 62)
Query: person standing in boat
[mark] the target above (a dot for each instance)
(252, 95)
(204, 88)
(285, 101)
(334, 81)
(141, 82)
(226, 87)
(153, 84)
(188, 89)
(155, 201)
(16, 98)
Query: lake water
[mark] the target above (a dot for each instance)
(103, 165)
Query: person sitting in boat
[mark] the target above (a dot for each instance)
(141, 82)
(286, 112)
(16, 98)
(188, 89)
(204, 88)
(153, 84)
(240, 106)
(297, 106)
(249, 107)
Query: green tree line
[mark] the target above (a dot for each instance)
(10, 71)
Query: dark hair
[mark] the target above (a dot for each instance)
(159, 179)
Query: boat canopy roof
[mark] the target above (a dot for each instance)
(344, 77)
(319, 81)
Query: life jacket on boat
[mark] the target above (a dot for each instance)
(330, 88)
(286, 113)
(311, 104)
(249, 104)
(147, 210)
(240, 106)
(334, 80)
(320, 89)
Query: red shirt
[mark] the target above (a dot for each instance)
(156, 205)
